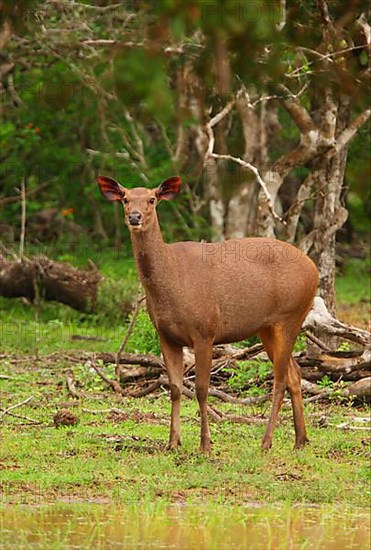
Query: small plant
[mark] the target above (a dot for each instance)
(248, 374)
(336, 393)
(325, 382)
(144, 338)
(247, 343)
(300, 344)
(344, 346)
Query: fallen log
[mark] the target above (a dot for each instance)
(49, 280)
(348, 366)
(361, 389)
(320, 321)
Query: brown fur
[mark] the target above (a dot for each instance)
(200, 294)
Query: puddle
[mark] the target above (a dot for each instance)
(99, 526)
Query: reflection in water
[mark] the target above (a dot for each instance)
(182, 527)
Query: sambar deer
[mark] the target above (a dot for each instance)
(200, 294)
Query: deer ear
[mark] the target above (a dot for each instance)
(169, 188)
(110, 188)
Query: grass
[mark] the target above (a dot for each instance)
(353, 292)
(125, 460)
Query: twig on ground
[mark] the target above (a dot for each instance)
(71, 387)
(6, 411)
(145, 391)
(104, 411)
(230, 398)
(113, 383)
(22, 417)
(347, 426)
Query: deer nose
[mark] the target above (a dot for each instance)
(135, 217)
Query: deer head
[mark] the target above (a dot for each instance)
(139, 203)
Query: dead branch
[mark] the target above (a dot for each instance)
(113, 383)
(104, 411)
(239, 419)
(260, 180)
(230, 398)
(320, 320)
(27, 418)
(317, 341)
(16, 198)
(12, 407)
(72, 388)
(131, 359)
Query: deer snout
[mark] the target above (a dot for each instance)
(135, 217)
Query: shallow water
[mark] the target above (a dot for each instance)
(76, 526)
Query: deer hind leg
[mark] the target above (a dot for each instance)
(294, 386)
(173, 356)
(203, 355)
(278, 341)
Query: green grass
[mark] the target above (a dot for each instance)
(353, 293)
(126, 461)
(353, 284)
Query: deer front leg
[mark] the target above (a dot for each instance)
(173, 356)
(203, 355)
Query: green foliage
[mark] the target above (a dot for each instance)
(344, 346)
(74, 110)
(249, 375)
(144, 337)
(359, 206)
(336, 390)
(301, 343)
(325, 382)
(248, 342)
(353, 285)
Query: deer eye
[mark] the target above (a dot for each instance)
(152, 200)
(125, 200)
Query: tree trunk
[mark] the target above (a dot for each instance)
(329, 214)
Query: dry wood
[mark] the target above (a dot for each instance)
(320, 320)
(361, 389)
(55, 281)
(72, 388)
(230, 398)
(12, 407)
(23, 417)
(113, 383)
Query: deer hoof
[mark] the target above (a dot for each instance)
(266, 445)
(173, 445)
(205, 448)
(300, 444)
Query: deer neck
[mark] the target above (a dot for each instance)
(151, 258)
